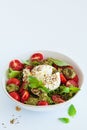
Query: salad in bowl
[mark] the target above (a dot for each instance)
(43, 79)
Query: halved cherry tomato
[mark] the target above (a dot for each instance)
(42, 103)
(71, 82)
(57, 99)
(16, 65)
(22, 88)
(15, 95)
(63, 79)
(37, 57)
(24, 95)
(13, 81)
(76, 79)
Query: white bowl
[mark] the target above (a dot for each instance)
(46, 54)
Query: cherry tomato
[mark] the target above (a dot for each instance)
(15, 95)
(24, 95)
(29, 67)
(13, 81)
(63, 79)
(42, 103)
(57, 99)
(37, 57)
(71, 82)
(16, 65)
(76, 79)
(22, 88)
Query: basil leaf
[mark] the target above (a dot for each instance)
(72, 110)
(35, 83)
(64, 120)
(59, 62)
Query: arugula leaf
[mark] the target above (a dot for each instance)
(74, 89)
(64, 120)
(59, 62)
(66, 90)
(35, 83)
(72, 110)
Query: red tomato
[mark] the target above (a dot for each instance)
(24, 95)
(22, 87)
(63, 79)
(57, 99)
(42, 103)
(37, 57)
(15, 95)
(16, 65)
(76, 79)
(70, 67)
(71, 82)
(29, 67)
(13, 81)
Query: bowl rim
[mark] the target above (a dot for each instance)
(33, 107)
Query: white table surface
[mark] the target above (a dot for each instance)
(58, 25)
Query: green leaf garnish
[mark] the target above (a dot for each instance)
(74, 89)
(35, 83)
(72, 110)
(59, 62)
(64, 120)
(27, 62)
(13, 73)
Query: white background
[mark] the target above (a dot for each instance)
(58, 25)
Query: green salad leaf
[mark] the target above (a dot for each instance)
(72, 110)
(35, 83)
(64, 120)
(27, 62)
(13, 73)
(59, 62)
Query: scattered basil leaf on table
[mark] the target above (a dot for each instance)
(72, 110)
(64, 120)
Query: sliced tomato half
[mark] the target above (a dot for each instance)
(16, 65)
(71, 82)
(63, 79)
(13, 81)
(37, 57)
(42, 103)
(15, 95)
(57, 99)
